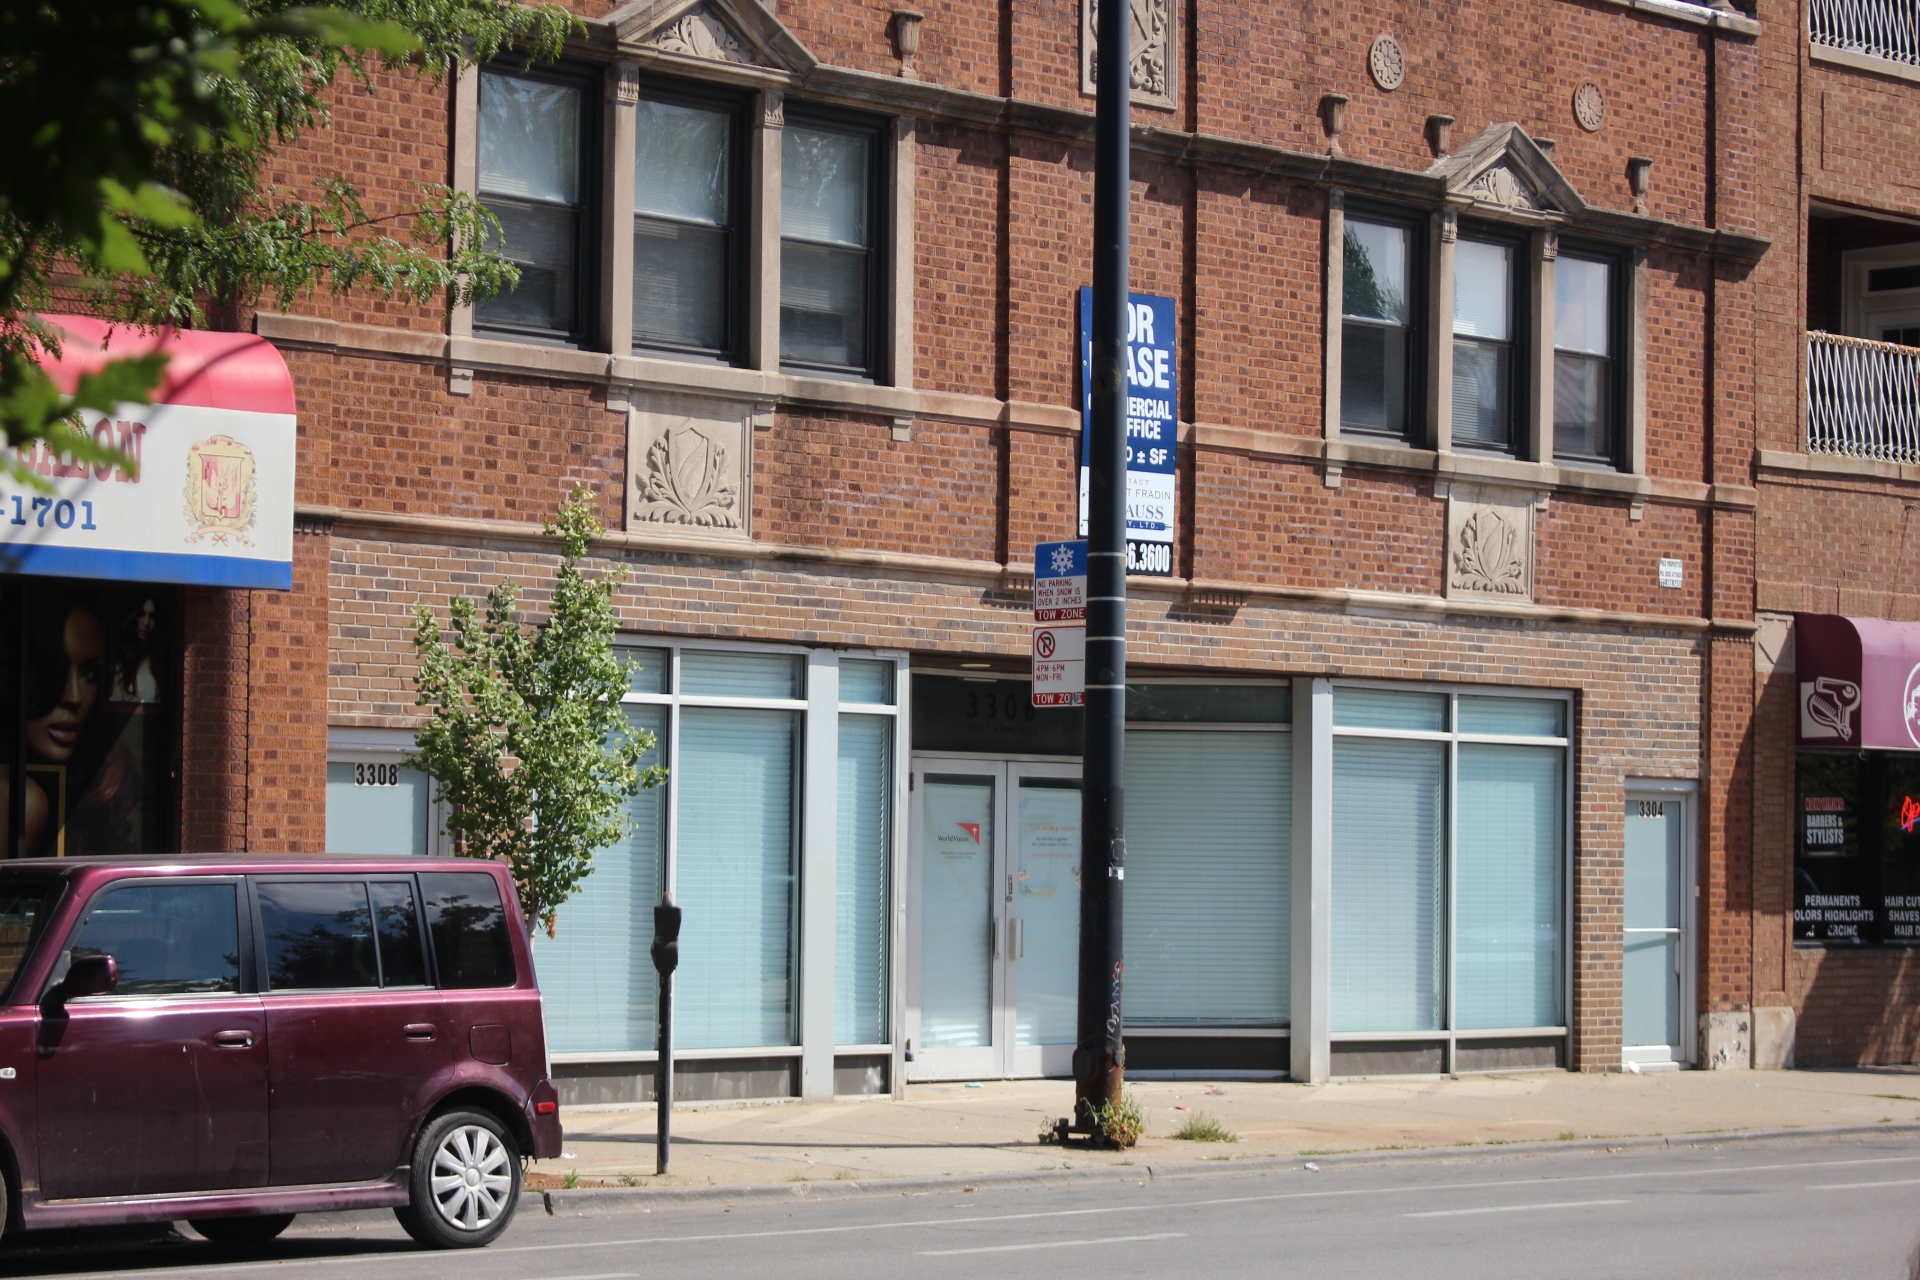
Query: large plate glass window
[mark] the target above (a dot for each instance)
(1209, 842)
(1487, 315)
(829, 221)
(1450, 870)
(537, 140)
(1379, 338)
(1586, 397)
(1856, 870)
(687, 188)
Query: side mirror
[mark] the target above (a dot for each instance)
(87, 976)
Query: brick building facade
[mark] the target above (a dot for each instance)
(1461, 718)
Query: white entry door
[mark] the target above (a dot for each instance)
(995, 904)
(1657, 941)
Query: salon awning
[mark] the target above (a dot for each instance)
(210, 502)
(1859, 681)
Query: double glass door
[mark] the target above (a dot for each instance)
(1655, 973)
(996, 898)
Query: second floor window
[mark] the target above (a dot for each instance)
(686, 241)
(1485, 322)
(535, 177)
(828, 277)
(1585, 395)
(1378, 356)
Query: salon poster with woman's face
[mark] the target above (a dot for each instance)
(97, 687)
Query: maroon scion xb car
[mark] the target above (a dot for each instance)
(235, 1040)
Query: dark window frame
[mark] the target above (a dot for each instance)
(589, 79)
(1619, 331)
(1522, 328)
(740, 255)
(1419, 317)
(879, 235)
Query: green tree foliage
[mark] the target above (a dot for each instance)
(526, 739)
(133, 161)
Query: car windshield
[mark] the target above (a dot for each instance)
(24, 903)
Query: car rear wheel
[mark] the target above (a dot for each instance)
(242, 1232)
(465, 1183)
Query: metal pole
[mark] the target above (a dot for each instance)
(666, 958)
(1099, 1056)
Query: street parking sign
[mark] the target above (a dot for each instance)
(1059, 666)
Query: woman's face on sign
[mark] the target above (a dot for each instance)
(54, 735)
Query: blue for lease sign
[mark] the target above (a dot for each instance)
(1153, 423)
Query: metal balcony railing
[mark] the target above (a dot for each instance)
(1863, 398)
(1879, 28)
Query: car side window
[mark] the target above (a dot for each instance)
(319, 934)
(403, 957)
(166, 938)
(469, 925)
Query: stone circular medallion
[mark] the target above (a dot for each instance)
(1589, 107)
(1386, 63)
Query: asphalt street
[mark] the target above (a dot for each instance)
(1813, 1207)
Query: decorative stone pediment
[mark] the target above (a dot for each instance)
(1152, 48)
(741, 32)
(689, 465)
(1490, 544)
(1504, 171)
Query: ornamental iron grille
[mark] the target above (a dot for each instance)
(1863, 398)
(1878, 28)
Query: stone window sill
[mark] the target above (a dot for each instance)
(1700, 15)
(1864, 62)
(1829, 465)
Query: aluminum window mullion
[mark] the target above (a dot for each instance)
(1450, 880)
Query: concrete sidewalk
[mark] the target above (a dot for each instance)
(955, 1130)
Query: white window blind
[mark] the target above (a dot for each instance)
(865, 851)
(377, 807)
(735, 878)
(1389, 819)
(1209, 823)
(1507, 887)
(956, 873)
(596, 973)
(1046, 902)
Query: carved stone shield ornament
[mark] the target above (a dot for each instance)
(688, 467)
(1490, 544)
(1589, 107)
(1386, 63)
(1152, 51)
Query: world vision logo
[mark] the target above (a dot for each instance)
(971, 828)
(963, 841)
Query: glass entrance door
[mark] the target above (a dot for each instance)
(995, 901)
(1655, 940)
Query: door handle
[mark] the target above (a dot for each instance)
(419, 1031)
(233, 1039)
(993, 939)
(1018, 943)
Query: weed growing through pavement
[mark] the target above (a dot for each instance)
(571, 1181)
(630, 1180)
(1567, 1135)
(1201, 1127)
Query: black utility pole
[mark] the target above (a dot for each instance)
(1099, 1058)
(666, 958)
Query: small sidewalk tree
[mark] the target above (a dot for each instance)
(526, 739)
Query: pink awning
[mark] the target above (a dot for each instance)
(211, 370)
(1859, 681)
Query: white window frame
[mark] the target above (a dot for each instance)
(1450, 1035)
(813, 929)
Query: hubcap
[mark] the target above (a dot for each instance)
(470, 1178)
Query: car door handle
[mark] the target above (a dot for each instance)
(233, 1039)
(419, 1031)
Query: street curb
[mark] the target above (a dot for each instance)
(634, 1199)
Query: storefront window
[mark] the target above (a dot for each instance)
(1209, 868)
(1856, 871)
(1449, 862)
(100, 679)
(724, 833)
